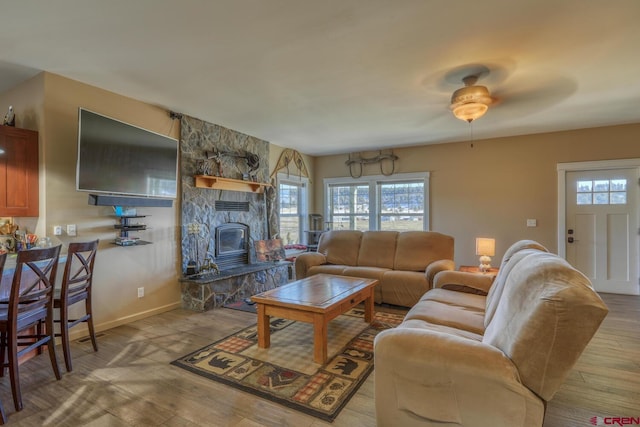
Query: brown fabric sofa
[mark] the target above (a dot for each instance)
(473, 353)
(404, 262)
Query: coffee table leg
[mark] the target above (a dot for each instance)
(319, 339)
(368, 308)
(264, 331)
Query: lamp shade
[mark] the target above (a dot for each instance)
(485, 246)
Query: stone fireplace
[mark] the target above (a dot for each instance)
(222, 225)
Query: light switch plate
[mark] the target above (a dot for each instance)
(532, 223)
(71, 229)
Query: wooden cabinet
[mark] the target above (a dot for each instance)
(18, 172)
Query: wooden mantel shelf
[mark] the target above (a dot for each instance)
(219, 183)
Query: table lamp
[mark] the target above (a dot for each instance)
(485, 248)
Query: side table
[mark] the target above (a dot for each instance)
(474, 269)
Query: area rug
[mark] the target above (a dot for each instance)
(285, 372)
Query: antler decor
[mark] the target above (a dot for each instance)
(290, 155)
(359, 160)
(253, 160)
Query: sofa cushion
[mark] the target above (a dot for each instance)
(340, 246)
(455, 298)
(326, 269)
(417, 249)
(368, 273)
(403, 287)
(547, 314)
(465, 318)
(421, 324)
(378, 249)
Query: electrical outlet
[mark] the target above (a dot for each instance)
(140, 292)
(57, 230)
(71, 229)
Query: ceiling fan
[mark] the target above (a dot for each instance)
(471, 101)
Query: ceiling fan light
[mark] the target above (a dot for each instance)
(470, 102)
(470, 111)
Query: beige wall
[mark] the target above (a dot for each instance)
(489, 188)
(52, 109)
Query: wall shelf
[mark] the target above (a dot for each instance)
(219, 183)
(125, 226)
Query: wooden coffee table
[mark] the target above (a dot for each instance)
(316, 299)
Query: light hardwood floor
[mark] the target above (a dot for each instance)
(129, 381)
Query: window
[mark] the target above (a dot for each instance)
(349, 206)
(292, 197)
(397, 202)
(602, 192)
(401, 206)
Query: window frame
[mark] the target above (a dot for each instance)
(303, 195)
(372, 182)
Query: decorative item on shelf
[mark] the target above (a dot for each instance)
(287, 156)
(269, 250)
(253, 160)
(10, 117)
(485, 248)
(315, 222)
(357, 159)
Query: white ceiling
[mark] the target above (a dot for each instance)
(336, 76)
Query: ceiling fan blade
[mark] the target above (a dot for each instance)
(519, 100)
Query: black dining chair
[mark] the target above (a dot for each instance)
(30, 305)
(76, 287)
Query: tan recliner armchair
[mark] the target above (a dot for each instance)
(461, 358)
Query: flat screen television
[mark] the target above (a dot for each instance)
(118, 158)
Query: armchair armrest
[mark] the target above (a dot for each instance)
(307, 260)
(437, 266)
(429, 378)
(463, 282)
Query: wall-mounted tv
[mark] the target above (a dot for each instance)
(118, 158)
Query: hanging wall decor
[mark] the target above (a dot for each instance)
(355, 162)
(290, 155)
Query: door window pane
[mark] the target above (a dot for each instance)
(618, 185)
(600, 198)
(584, 198)
(601, 185)
(585, 186)
(618, 198)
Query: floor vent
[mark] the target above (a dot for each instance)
(225, 205)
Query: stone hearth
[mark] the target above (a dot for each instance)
(207, 291)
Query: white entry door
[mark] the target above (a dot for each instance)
(602, 228)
